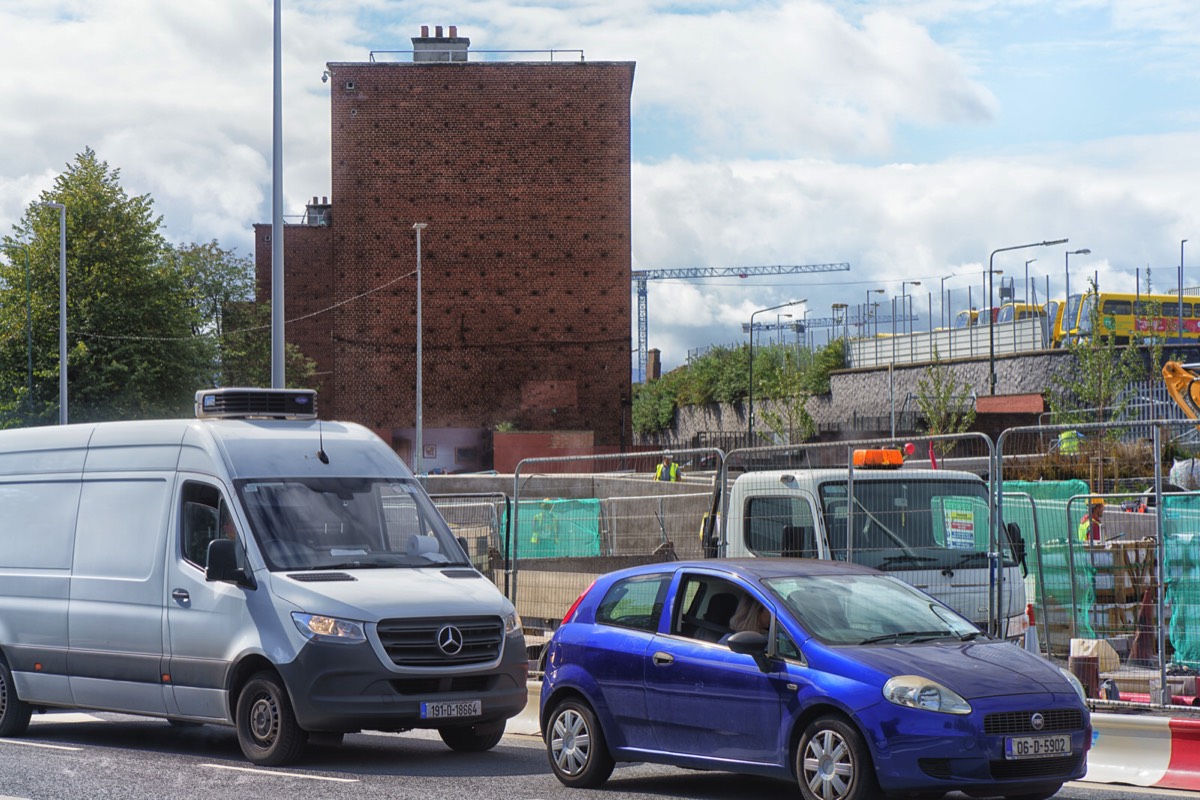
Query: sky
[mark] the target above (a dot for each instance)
(909, 139)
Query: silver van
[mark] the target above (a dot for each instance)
(253, 567)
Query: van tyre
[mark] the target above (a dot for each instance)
(833, 762)
(576, 747)
(475, 739)
(14, 712)
(266, 725)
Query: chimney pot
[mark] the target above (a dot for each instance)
(424, 31)
(314, 202)
(453, 31)
(324, 201)
(437, 31)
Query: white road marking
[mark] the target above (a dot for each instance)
(256, 771)
(37, 744)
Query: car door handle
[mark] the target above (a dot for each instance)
(180, 596)
(662, 659)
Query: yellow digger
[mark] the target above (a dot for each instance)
(1184, 387)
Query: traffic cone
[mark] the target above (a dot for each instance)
(1031, 635)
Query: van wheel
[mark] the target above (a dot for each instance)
(475, 739)
(14, 712)
(833, 763)
(266, 725)
(575, 744)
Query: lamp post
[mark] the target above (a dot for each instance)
(991, 326)
(29, 331)
(943, 302)
(867, 308)
(1026, 289)
(1068, 323)
(845, 316)
(62, 309)
(750, 393)
(420, 444)
(904, 309)
(1181, 244)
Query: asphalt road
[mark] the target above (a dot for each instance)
(130, 758)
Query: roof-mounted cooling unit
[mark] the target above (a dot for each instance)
(236, 403)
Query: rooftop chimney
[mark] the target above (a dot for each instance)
(435, 48)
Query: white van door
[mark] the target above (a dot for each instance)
(781, 524)
(207, 623)
(115, 616)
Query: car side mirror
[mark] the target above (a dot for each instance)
(222, 564)
(753, 644)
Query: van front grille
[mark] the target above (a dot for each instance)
(441, 641)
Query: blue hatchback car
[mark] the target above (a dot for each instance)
(837, 676)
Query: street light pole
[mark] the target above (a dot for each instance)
(750, 392)
(62, 309)
(1069, 323)
(942, 302)
(991, 322)
(278, 349)
(779, 325)
(420, 444)
(1026, 290)
(904, 306)
(29, 331)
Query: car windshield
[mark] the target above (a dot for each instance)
(346, 523)
(868, 609)
(909, 524)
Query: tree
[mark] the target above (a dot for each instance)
(132, 351)
(245, 345)
(788, 418)
(944, 403)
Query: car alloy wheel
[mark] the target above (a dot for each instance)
(833, 763)
(576, 747)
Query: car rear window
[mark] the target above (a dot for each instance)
(635, 602)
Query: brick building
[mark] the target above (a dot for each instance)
(521, 171)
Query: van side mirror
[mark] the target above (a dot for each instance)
(1018, 545)
(222, 564)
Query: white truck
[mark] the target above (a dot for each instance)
(929, 528)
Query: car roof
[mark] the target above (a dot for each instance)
(759, 568)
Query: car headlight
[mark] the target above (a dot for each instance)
(1075, 684)
(915, 691)
(328, 629)
(512, 624)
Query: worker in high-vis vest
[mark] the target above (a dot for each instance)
(668, 470)
(545, 525)
(1089, 526)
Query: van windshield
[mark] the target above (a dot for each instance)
(346, 523)
(909, 524)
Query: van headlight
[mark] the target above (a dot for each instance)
(917, 692)
(328, 629)
(512, 623)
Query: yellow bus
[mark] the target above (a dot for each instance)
(1129, 317)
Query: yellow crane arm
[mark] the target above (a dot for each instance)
(1184, 388)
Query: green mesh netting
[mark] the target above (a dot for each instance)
(1052, 553)
(1181, 565)
(556, 529)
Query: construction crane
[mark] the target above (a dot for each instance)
(641, 276)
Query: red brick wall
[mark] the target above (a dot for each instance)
(308, 279)
(522, 173)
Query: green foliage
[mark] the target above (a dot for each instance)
(789, 419)
(245, 349)
(722, 375)
(144, 319)
(944, 402)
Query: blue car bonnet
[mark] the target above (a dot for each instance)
(973, 669)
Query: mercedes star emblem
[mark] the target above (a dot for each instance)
(450, 640)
